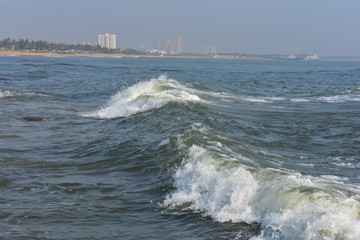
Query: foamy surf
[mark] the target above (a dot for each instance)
(145, 96)
(286, 205)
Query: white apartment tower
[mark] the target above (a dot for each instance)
(107, 41)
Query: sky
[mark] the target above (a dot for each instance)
(323, 27)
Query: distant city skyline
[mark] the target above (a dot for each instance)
(324, 27)
(171, 46)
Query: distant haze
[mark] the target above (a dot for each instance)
(324, 27)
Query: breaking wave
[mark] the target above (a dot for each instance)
(224, 185)
(145, 96)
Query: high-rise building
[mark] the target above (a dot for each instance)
(167, 45)
(107, 41)
(179, 45)
(171, 47)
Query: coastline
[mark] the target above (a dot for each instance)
(51, 54)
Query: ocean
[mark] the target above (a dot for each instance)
(163, 148)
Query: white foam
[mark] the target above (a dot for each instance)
(299, 100)
(199, 127)
(215, 192)
(347, 162)
(145, 96)
(256, 100)
(353, 90)
(8, 93)
(339, 98)
(287, 205)
(277, 98)
(306, 164)
(335, 178)
(346, 165)
(4, 94)
(265, 99)
(330, 99)
(164, 142)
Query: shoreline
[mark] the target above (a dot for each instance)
(115, 55)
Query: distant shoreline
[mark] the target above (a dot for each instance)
(113, 55)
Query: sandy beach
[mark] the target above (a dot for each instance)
(25, 53)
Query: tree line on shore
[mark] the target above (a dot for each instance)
(43, 46)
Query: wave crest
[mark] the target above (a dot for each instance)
(145, 96)
(286, 205)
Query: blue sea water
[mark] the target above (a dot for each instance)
(157, 148)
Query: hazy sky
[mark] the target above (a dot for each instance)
(324, 27)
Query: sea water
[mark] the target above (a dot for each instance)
(157, 148)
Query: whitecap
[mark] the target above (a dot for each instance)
(217, 193)
(287, 205)
(145, 96)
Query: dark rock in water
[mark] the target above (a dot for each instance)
(3, 78)
(33, 119)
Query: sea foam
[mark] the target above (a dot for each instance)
(4, 94)
(14, 93)
(145, 96)
(287, 205)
